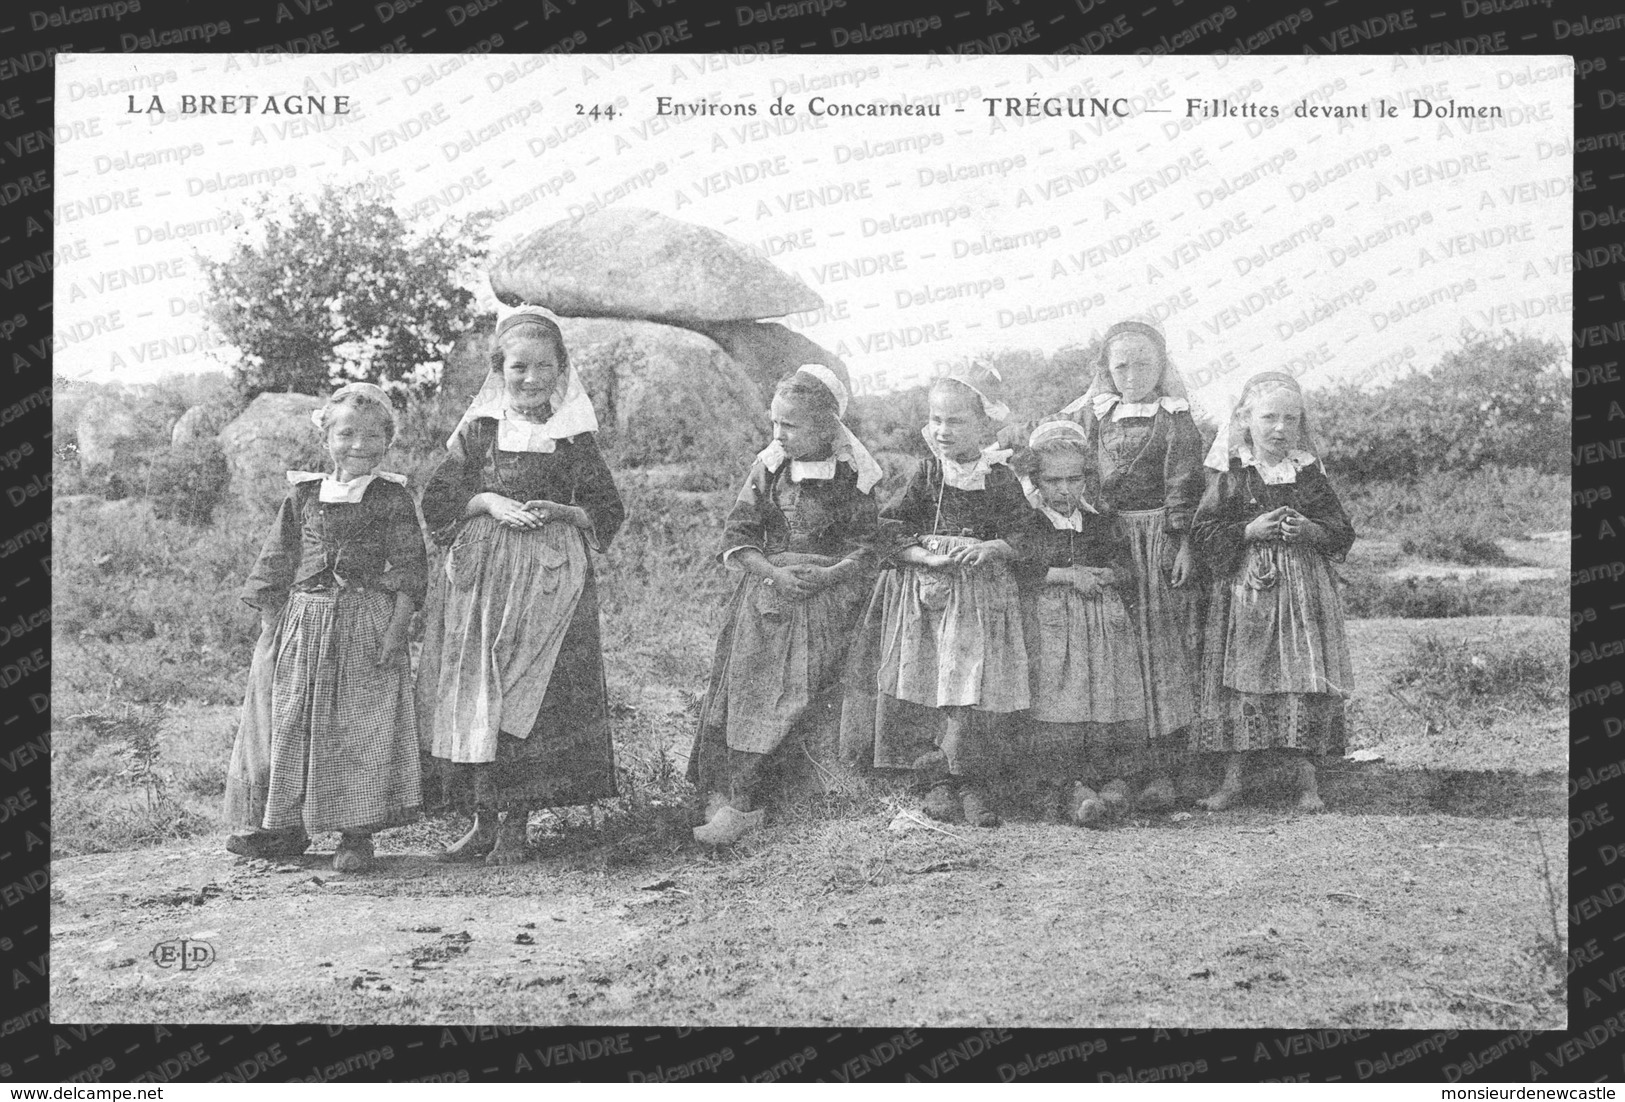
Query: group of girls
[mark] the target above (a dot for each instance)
(509, 702)
(1070, 610)
(1026, 613)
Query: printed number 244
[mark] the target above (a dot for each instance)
(595, 112)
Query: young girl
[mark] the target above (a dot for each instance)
(1088, 707)
(511, 683)
(943, 627)
(328, 733)
(802, 532)
(1149, 458)
(1276, 670)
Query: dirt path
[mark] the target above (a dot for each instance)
(1259, 917)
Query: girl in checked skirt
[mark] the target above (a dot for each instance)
(1276, 666)
(939, 663)
(802, 532)
(328, 734)
(1086, 727)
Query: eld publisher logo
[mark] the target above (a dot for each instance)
(187, 955)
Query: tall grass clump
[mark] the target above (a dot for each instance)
(1463, 683)
(124, 795)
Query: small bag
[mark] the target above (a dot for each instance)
(552, 560)
(1260, 567)
(769, 602)
(935, 589)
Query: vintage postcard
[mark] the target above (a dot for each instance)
(866, 540)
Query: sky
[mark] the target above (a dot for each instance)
(1216, 196)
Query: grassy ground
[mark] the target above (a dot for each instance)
(1419, 899)
(1433, 723)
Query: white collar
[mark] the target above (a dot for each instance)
(335, 492)
(1035, 498)
(572, 415)
(817, 470)
(1276, 474)
(1107, 402)
(774, 456)
(1074, 522)
(971, 475)
(516, 434)
(845, 447)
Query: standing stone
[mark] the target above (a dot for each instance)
(269, 438)
(767, 351)
(116, 427)
(630, 263)
(198, 424)
(665, 394)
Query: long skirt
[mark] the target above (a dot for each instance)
(938, 662)
(1095, 753)
(1169, 622)
(776, 672)
(1088, 712)
(1084, 655)
(327, 739)
(1276, 670)
(511, 680)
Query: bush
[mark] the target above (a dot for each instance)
(187, 483)
(1496, 502)
(1453, 541)
(1372, 596)
(1482, 680)
(1492, 402)
(339, 287)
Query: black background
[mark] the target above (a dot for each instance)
(46, 1052)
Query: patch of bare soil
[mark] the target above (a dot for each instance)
(1256, 917)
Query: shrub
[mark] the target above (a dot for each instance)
(1479, 681)
(340, 287)
(1494, 501)
(1453, 541)
(187, 483)
(1374, 596)
(1494, 401)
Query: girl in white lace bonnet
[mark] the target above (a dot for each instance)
(1275, 670)
(939, 664)
(511, 683)
(1085, 732)
(1148, 459)
(801, 534)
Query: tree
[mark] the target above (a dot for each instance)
(339, 288)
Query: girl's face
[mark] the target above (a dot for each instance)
(1136, 367)
(799, 430)
(531, 369)
(1273, 420)
(957, 424)
(1060, 480)
(357, 438)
